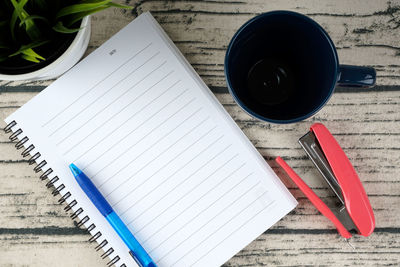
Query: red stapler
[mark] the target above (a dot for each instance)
(354, 212)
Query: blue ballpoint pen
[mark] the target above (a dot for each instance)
(136, 250)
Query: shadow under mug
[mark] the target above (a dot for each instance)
(282, 67)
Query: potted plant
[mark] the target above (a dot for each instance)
(41, 39)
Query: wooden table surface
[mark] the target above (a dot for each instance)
(35, 230)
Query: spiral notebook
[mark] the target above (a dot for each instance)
(139, 121)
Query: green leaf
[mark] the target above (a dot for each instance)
(30, 58)
(29, 46)
(13, 21)
(30, 53)
(19, 8)
(76, 8)
(59, 27)
(30, 27)
(31, 18)
(20, 4)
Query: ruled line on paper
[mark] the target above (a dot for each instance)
(166, 164)
(198, 214)
(161, 153)
(112, 102)
(112, 117)
(190, 191)
(198, 169)
(94, 86)
(181, 197)
(107, 91)
(182, 167)
(223, 225)
(149, 132)
(237, 229)
(215, 216)
(148, 119)
(114, 130)
(134, 144)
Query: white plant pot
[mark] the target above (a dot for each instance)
(66, 61)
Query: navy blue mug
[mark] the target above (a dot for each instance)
(282, 67)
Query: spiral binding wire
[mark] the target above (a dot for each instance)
(95, 235)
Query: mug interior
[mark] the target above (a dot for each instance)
(281, 67)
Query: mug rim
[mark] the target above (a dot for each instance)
(242, 104)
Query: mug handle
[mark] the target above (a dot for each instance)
(356, 76)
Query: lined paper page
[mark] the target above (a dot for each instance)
(142, 125)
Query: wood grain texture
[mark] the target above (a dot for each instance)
(35, 230)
